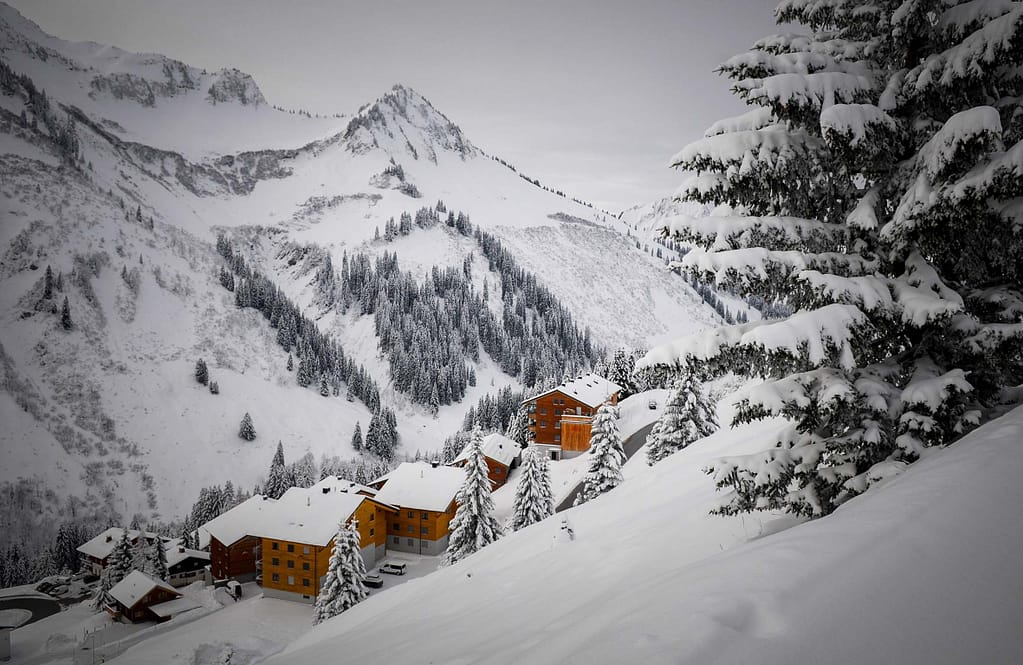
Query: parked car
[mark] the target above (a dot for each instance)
(652, 404)
(234, 587)
(373, 580)
(393, 568)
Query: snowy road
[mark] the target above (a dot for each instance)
(631, 445)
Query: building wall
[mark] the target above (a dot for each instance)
(575, 434)
(418, 545)
(414, 524)
(235, 561)
(547, 411)
(140, 610)
(496, 472)
(294, 567)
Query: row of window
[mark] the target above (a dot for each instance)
(543, 424)
(424, 544)
(411, 529)
(291, 579)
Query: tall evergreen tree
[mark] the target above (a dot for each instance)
(157, 559)
(357, 438)
(65, 315)
(324, 387)
(606, 455)
(119, 562)
(48, 284)
(202, 374)
(871, 184)
(277, 480)
(534, 499)
(246, 429)
(344, 584)
(688, 415)
(473, 527)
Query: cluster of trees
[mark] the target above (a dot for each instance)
(63, 133)
(357, 469)
(146, 555)
(492, 413)
(20, 566)
(213, 501)
(319, 357)
(876, 193)
(688, 415)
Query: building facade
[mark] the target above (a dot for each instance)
(560, 418)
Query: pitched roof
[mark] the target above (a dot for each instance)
(421, 485)
(344, 485)
(176, 555)
(135, 585)
(495, 446)
(590, 389)
(303, 515)
(102, 545)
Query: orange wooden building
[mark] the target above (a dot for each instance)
(424, 495)
(560, 418)
(298, 543)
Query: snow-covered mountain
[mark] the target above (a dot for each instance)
(118, 172)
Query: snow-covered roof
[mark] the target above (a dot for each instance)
(590, 389)
(421, 485)
(303, 515)
(172, 607)
(176, 555)
(135, 585)
(499, 448)
(102, 545)
(344, 485)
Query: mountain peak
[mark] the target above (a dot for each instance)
(404, 120)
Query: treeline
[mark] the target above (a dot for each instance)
(21, 566)
(62, 132)
(432, 330)
(322, 362)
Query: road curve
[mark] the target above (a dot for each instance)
(630, 445)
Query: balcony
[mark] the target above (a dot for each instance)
(259, 564)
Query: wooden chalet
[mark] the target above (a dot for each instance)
(501, 454)
(560, 418)
(96, 551)
(185, 566)
(234, 549)
(424, 494)
(139, 597)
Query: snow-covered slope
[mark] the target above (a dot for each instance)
(108, 411)
(922, 570)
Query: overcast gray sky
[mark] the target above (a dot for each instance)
(590, 96)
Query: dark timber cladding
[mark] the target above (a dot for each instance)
(235, 561)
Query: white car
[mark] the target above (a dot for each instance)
(393, 568)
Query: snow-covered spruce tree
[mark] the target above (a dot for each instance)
(247, 430)
(344, 584)
(619, 370)
(202, 374)
(140, 555)
(357, 437)
(534, 499)
(65, 315)
(157, 559)
(871, 189)
(606, 455)
(277, 481)
(473, 527)
(119, 561)
(688, 415)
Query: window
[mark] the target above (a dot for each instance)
(543, 424)
(396, 527)
(274, 546)
(426, 516)
(543, 411)
(395, 540)
(305, 550)
(305, 565)
(411, 542)
(305, 581)
(291, 563)
(411, 515)
(275, 561)
(372, 516)
(425, 530)
(372, 532)
(557, 412)
(411, 529)
(557, 425)
(291, 547)
(557, 437)
(275, 577)
(291, 579)
(498, 471)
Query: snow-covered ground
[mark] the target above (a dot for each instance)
(907, 573)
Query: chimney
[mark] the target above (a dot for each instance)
(181, 549)
(435, 463)
(326, 490)
(110, 539)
